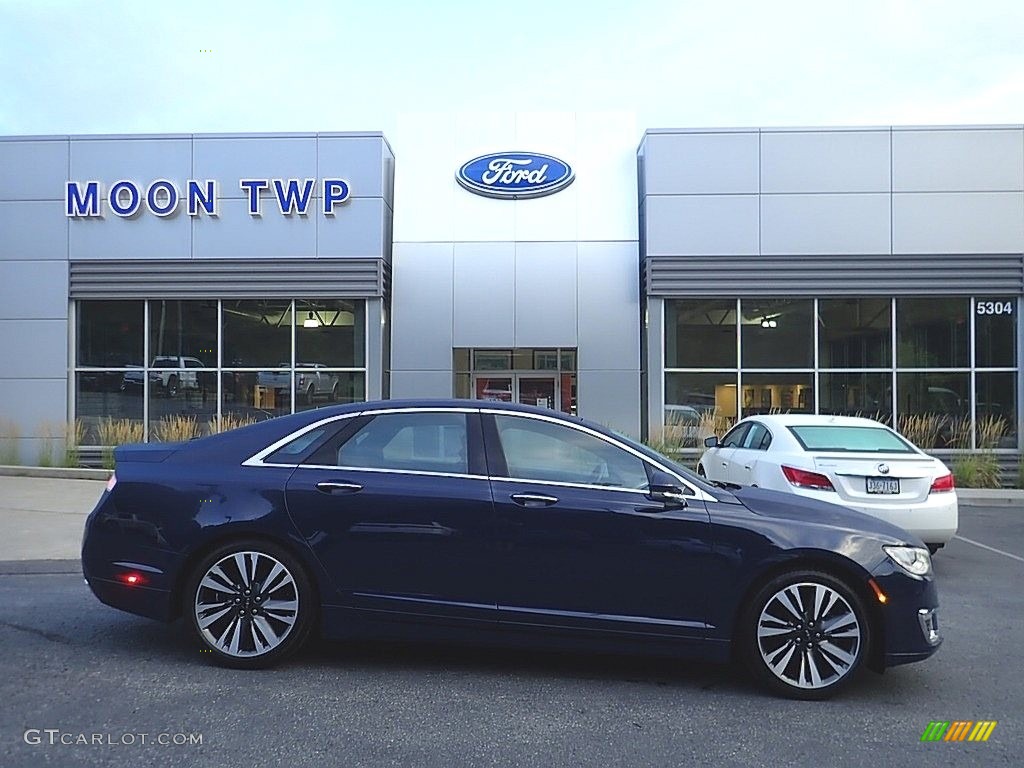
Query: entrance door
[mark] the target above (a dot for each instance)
(540, 390)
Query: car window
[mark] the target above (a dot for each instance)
(734, 438)
(289, 452)
(758, 437)
(193, 363)
(833, 437)
(542, 450)
(425, 442)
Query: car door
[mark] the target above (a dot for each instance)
(397, 507)
(720, 464)
(747, 454)
(581, 544)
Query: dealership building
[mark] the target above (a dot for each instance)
(664, 282)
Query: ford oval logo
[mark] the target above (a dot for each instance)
(515, 175)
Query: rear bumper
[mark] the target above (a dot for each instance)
(934, 520)
(142, 601)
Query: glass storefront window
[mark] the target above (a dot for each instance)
(934, 409)
(182, 403)
(698, 405)
(855, 333)
(995, 332)
(168, 381)
(778, 393)
(182, 333)
(257, 334)
(996, 410)
(329, 332)
(700, 334)
(314, 389)
(109, 407)
(251, 396)
(777, 333)
(109, 334)
(854, 372)
(856, 394)
(932, 334)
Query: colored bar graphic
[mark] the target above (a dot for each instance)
(959, 730)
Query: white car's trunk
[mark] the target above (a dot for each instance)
(850, 474)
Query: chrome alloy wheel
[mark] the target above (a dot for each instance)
(246, 604)
(809, 636)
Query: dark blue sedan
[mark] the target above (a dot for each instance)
(494, 522)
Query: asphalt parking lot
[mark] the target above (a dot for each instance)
(77, 668)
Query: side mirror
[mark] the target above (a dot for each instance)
(665, 489)
(711, 442)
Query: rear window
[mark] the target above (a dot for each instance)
(852, 439)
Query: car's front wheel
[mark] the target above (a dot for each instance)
(805, 635)
(250, 604)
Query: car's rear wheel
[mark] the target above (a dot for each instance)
(933, 548)
(172, 386)
(805, 635)
(311, 394)
(250, 604)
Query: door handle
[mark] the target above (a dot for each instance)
(746, 466)
(533, 500)
(336, 486)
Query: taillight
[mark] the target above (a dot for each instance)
(804, 479)
(942, 484)
(111, 482)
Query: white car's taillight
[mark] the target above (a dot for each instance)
(804, 479)
(942, 484)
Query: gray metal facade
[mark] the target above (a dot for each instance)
(47, 259)
(826, 212)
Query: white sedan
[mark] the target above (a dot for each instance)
(855, 462)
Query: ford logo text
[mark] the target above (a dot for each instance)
(515, 175)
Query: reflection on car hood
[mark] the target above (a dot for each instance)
(787, 506)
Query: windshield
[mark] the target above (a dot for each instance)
(852, 439)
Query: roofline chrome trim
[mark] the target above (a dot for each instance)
(256, 460)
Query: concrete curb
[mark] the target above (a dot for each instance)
(59, 473)
(990, 497)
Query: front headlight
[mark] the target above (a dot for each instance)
(914, 560)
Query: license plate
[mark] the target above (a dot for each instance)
(889, 485)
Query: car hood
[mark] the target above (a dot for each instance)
(787, 506)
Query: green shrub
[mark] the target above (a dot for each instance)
(976, 470)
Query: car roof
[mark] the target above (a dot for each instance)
(810, 419)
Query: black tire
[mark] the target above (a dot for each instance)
(311, 394)
(172, 385)
(334, 393)
(810, 644)
(256, 621)
(933, 548)
(700, 471)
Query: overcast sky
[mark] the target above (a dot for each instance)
(114, 67)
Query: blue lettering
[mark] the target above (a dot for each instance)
(153, 197)
(83, 205)
(200, 197)
(114, 198)
(336, 191)
(290, 200)
(253, 187)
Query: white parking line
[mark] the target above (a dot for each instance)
(991, 549)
